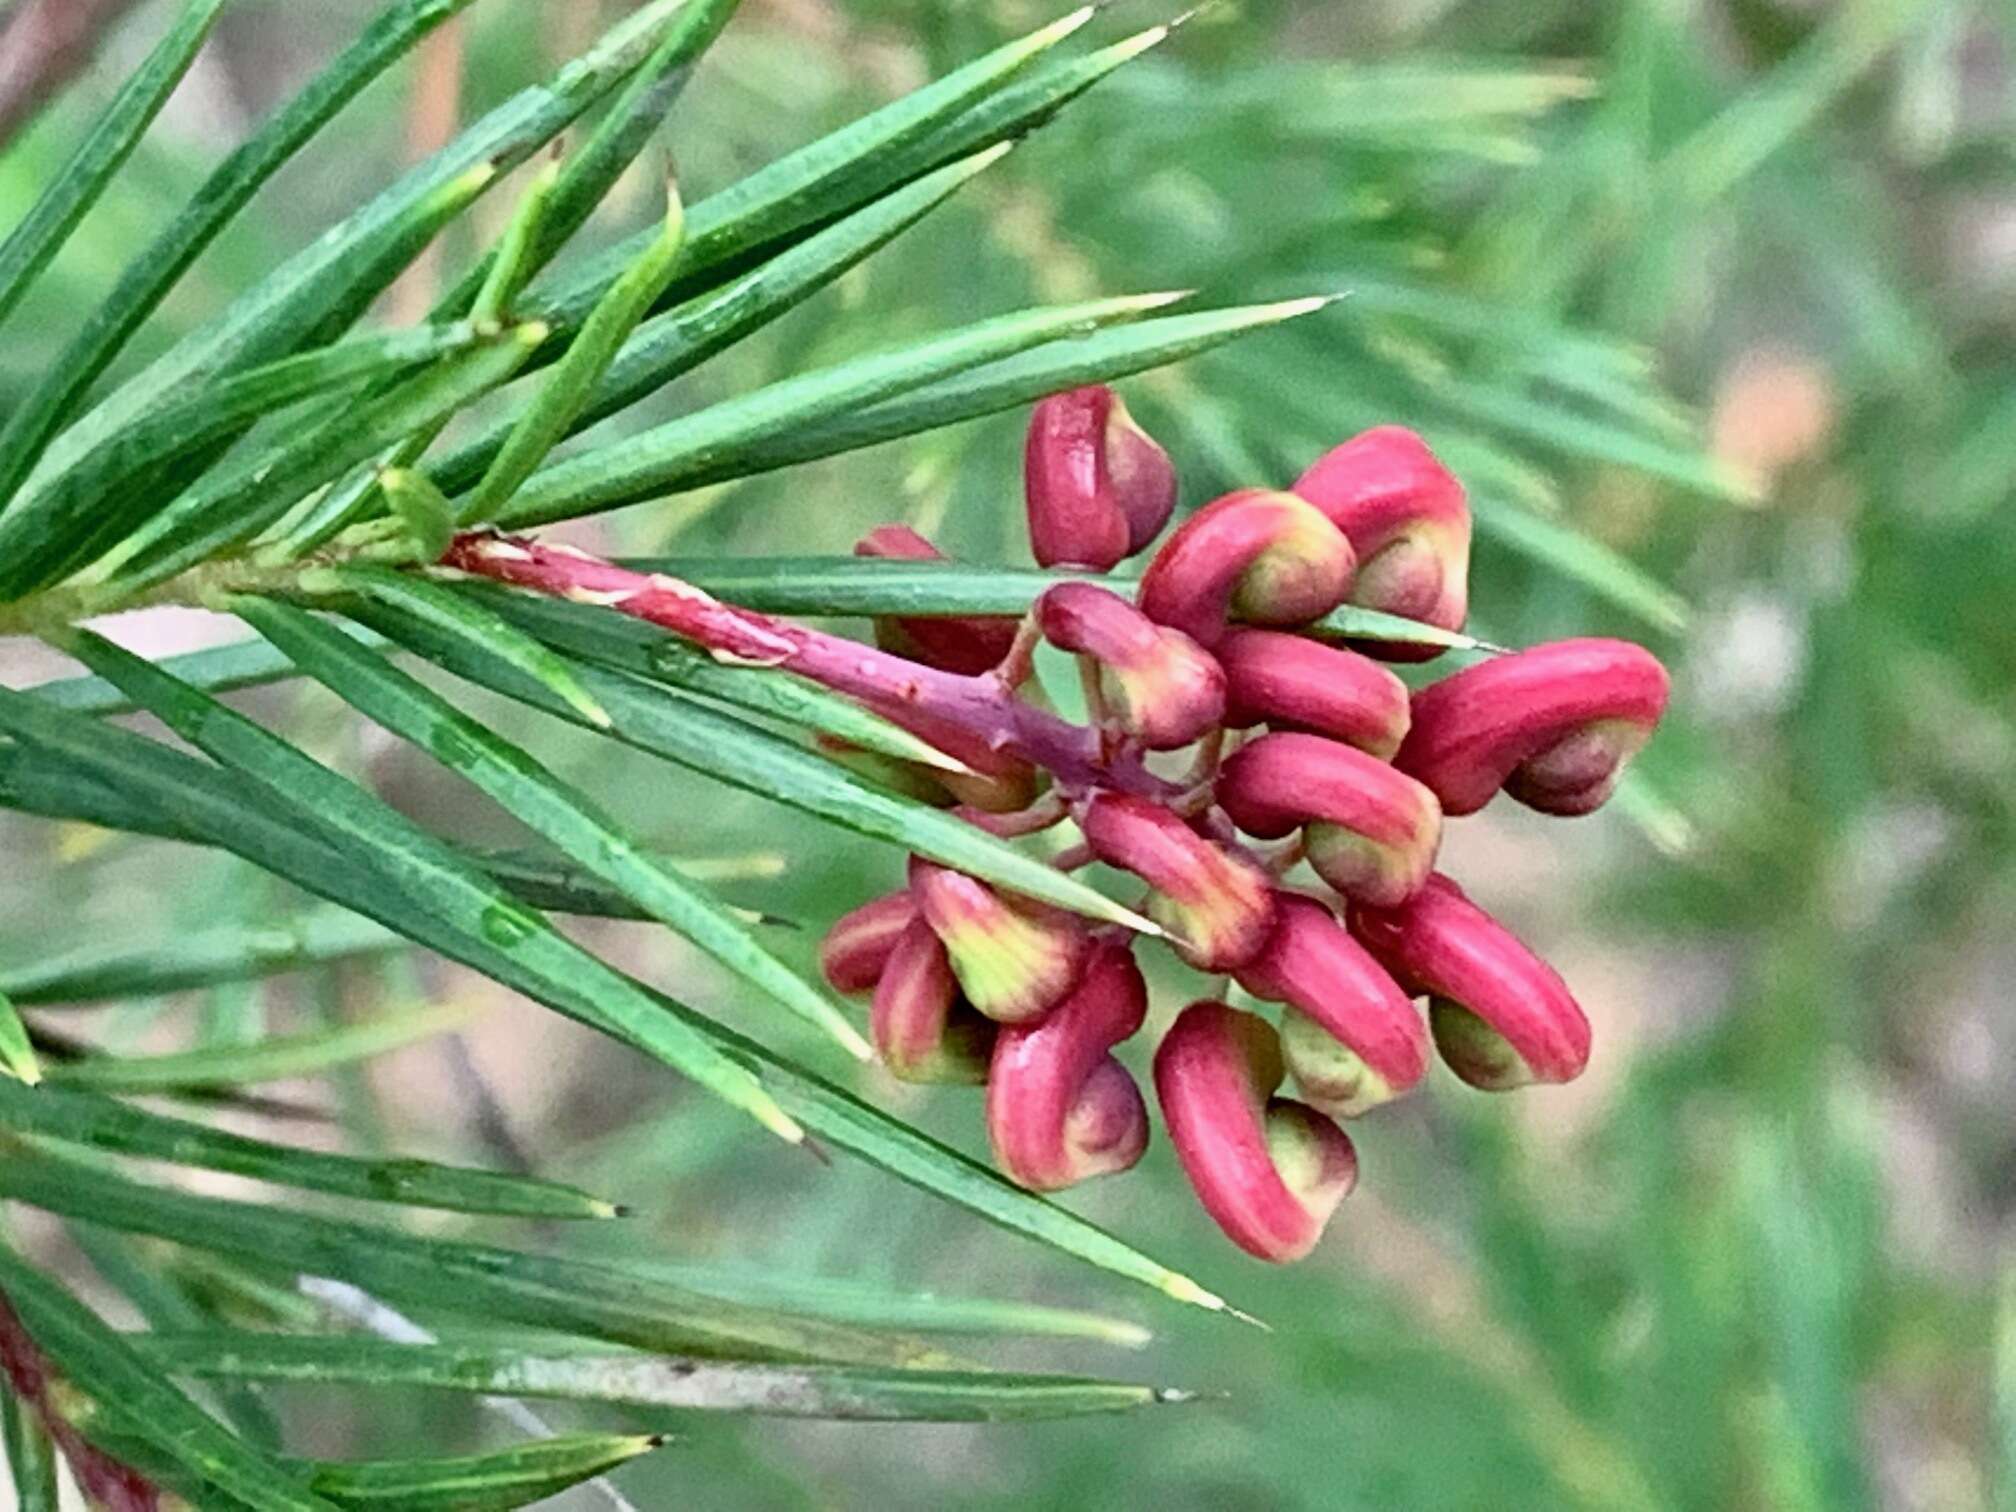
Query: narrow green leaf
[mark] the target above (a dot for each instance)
(631, 645)
(494, 1482)
(102, 1123)
(704, 740)
(399, 854)
(17, 1055)
(207, 958)
(31, 1458)
(236, 506)
(822, 179)
(567, 389)
(2004, 1367)
(510, 265)
(211, 804)
(161, 264)
(660, 460)
(986, 390)
(587, 176)
(77, 185)
(220, 669)
(79, 514)
(337, 276)
(870, 587)
(279, 1059)
(682, 338)
(1588, 562)
(542, 802)
(421, 507)
(647, 1382)
(166, 1305)
(447, 1276)
(453, 614)
(106, 1368)
(911, 1312)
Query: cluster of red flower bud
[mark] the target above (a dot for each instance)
(1302, 749)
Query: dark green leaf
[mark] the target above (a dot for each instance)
(493, 1482)
(31, 1458)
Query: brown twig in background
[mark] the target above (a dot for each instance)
(43, 45)
(433, 109)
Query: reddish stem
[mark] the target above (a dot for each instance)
(105, 1482)
(984, 707)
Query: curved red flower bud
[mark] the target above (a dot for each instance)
(1553, 725)
(1015, 958)
(969, 645)
(857, 947)
(1268, 1170)
(1060, 1108)
(1405, 516)
(1217, 906)
(923, 1029)
(1502, 1017)
(1293, 683)
(1369, 831)
(1097, 486)
(1160, 686)
(1256, 555)
(1351, 1037)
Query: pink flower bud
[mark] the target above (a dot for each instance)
(1405, 516)
(857, 947)
(1098, 487)
(971, 645)
(923, 1029)
(1351, 1037)
(1369, 831)
(1015, 958)
(1553, 725)
(1060, 1108)
(1268, 1170)
(1264, 557)
(1217, 906)
(1161, 686)
(1502, 1017)
(1293, 683)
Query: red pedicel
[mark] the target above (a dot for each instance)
(1260, 556)
(1269, 1171)
(1350, 1035)
(1502, 1017)
(1553, 725)
(1097, 486)
(1370, 831)
(1060, 1108)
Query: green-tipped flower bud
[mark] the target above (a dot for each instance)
(1160, 686)
(1289, 682)
(1262, 557)
(923, 1029)
(857, 947)
(1015, 958)
(1217, 906)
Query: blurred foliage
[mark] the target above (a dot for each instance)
(1755, 1262)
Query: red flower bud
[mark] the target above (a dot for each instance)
(858, 945)
(1097, 486)
(1369, 831)
(1351, 1037)
(1015, 958)
(1553, 725)
(1502, 1017)
(1268, 1170)
(1161, 686)
(1265, 557)
(1060, 1108)
(923, 1029)
(1293, 683)
(1405, 516)
(969, 645)
(1217, 906)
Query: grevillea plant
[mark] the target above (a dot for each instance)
(368, 499)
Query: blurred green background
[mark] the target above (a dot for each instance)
(1713, 305)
